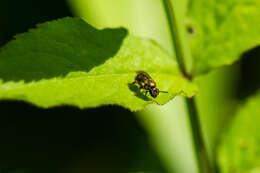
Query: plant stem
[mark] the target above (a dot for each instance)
(196, 132)
(200, 149)
(176, 40)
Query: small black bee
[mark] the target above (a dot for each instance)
(146, 82)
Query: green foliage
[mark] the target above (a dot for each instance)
(57, 48)
(68, 62)
(240, 147)
(223, 31)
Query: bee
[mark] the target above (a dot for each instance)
(145, 81)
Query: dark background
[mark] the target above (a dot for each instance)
(66, 139)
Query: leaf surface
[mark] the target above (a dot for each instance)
(240, 147)
(224, 30)
(68, 62)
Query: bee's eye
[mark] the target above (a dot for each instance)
(154, 92)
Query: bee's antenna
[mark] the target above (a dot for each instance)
(163, 91)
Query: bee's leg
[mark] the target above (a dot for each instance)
(134, 82)
(141, 87)
(146, 92)
(140, 84)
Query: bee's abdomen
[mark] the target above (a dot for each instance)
(142, 78)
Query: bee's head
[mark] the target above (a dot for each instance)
(154, 92)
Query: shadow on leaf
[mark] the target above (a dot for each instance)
(56, 48)
(135, 89)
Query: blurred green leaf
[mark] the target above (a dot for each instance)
(69, 62)
(240, 147)
(223, 31)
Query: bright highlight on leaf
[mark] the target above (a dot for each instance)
(224, 30)
(68, 62)
(240, 147)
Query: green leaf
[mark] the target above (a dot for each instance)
(68, 62)
(240, 147)
(223, 31)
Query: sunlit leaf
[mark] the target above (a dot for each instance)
(223, 30)
(68, 62)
